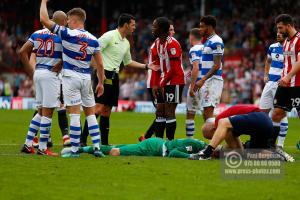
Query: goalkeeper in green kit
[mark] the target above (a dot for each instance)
(178, 148)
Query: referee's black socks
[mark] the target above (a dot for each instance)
(170, 127)
(63, 122)
(104, 129)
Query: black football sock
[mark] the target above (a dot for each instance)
(63, 122)
(160, 127)
(170, 128)
(85, 133)
(104, 129)
(208, 151)
(150, 130)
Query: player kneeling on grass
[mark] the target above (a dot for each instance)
(241, 120)
(178, 148)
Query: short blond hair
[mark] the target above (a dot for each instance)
(79, 12)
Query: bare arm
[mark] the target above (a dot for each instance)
(32, 59)
(58, 66)
(44, 16)
(210, 73)
(138, 65)
(194, 73)
(24, 52)
(215, 68)
(98, 64)
(135, 64)
(267, 69)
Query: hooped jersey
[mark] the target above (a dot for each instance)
(78, 48)
(164, 54)
(291, 51)
(47, 47)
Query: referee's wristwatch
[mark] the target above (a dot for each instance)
(146, 66)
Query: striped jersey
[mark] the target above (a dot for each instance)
(47, 47)
(171, 72)
(78, 48)
(275, 53)
(213, 46)
(195, 55)
(291, 51)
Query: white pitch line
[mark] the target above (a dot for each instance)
(288, 147)
(22, 144)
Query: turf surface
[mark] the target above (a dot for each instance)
(38, 177)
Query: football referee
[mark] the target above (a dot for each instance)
(115, 49)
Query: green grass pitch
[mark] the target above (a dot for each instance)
(38, 177)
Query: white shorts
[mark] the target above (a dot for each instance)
(77, 91)
(193, 103)
(210, 93)
(47, 88)
(267, 96)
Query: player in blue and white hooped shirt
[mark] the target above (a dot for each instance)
(211, 83)
(273, 72)
(47, 49)
(79, 47)
(193, 98)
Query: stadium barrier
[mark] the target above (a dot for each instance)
(22, 103)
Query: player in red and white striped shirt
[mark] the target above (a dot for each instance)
(169, 55)
(153, 80)
(288, 92)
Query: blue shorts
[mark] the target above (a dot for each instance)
(257, 124)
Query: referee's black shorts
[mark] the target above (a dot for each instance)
(257, 124)
(111, 89)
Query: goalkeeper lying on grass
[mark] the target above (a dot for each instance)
(178, 148)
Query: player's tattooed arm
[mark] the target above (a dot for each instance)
(44, 16)
(194, 75)
(215, 68)
(217, 64)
